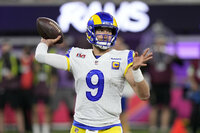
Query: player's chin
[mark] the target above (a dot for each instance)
(100, 48)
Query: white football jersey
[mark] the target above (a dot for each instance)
(99, 84)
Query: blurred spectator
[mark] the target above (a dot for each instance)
(158, 28)
(128, 91)
(26, 85)
(194, 76)
(179, 90)
(44, 76)
(9, 86)
(160, 74)
(160, 71)
(65, 91)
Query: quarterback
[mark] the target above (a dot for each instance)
(99, 75)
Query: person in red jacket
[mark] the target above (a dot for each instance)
(26, 85)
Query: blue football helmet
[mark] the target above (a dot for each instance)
(101, 20)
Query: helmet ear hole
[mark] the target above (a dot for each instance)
(113, 32)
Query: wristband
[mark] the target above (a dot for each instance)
(137, 74)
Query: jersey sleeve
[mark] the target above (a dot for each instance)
(71, 58)
(67, 55)
(128, 60)
(52, 59)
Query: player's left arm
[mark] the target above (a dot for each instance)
(135, 77)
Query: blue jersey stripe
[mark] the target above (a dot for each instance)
(77, 124)
(130, 56)
(68, 52)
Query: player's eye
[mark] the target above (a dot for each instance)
(101, 30)
(109, 31)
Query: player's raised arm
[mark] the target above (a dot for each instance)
(135, 78)
(55, 60)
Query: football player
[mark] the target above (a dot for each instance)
(99, 75)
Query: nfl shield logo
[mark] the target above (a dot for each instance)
(76, 130)
(96, 62)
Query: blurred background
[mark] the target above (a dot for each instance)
(37, 98)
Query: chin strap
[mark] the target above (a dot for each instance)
(104, 44)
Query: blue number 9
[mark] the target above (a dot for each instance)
(99, 85)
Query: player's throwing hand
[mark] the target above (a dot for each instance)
(50, 42)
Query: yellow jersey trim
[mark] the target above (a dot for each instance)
(68, 64)
(130, 64)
